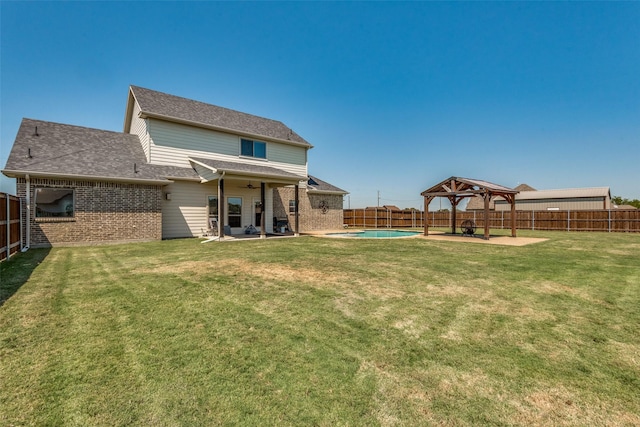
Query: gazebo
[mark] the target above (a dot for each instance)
(456, 189)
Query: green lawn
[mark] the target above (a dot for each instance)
(314, 331)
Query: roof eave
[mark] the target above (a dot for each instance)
(22, 174)
(328, 192)
(331, 193)
(146, 114)
(234, 173)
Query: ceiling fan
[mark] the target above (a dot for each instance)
(250, 186)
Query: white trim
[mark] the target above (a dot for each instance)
(47, 175)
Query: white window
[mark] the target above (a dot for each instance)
(54, 202)
(251, 148)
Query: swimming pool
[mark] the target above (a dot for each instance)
(375, 234)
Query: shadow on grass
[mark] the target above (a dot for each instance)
(16, 271)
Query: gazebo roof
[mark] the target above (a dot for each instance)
(464, 187)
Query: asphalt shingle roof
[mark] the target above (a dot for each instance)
(244, 168)
(68, 150)
(316, 184)
(163, 105)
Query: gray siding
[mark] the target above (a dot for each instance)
(185, 215)
(139, 127)
(283, 153)
(172, 144)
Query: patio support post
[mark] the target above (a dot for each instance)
(297, 211)
(221, 208)
(487, 198)
(263, 231)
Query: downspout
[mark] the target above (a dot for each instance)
(28, 228)
(220, 207)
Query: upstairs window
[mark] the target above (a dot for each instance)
(251, 148)
(54, 202)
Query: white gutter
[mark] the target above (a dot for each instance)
(17, 174)
(28, 228)
(220, 204)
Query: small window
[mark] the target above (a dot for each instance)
(213, 206)
(292, 206)
(251, 148)
(54, 203)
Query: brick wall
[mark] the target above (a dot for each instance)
(104, 212)
(312, 215)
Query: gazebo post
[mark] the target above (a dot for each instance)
(427, 200)
(513, 215)
(487, 198)
(454, 203)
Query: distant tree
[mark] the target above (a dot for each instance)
(617, 200)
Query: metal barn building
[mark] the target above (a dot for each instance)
(573, 199)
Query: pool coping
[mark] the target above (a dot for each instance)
(437, 236)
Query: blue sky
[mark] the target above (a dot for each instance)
(394, 96)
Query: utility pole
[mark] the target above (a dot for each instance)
(378, 198)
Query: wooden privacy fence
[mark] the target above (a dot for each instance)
(627, 221)
(10, 225)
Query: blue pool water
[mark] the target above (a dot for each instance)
(376, 234)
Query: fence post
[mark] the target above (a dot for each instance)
(21, 227)
(609, 220)
(533, 220)
(568, 220)
(8, 222)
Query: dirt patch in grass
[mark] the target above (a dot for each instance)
(493, 240)
(558, 406)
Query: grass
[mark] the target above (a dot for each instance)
(313, 331)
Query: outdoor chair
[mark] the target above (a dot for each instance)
(213, 228)
(278, 223)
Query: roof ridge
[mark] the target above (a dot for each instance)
(206, 103)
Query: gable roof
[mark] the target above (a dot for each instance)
(466, 185)
(195, 113)
(316, 185)
(51, 149)
(524, 187)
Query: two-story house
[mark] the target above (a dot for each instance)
(178, 167)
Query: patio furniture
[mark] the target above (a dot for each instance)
(279, 223)
(468, 227)
(213, 227)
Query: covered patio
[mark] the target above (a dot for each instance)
(243, 179)
(456, 189)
